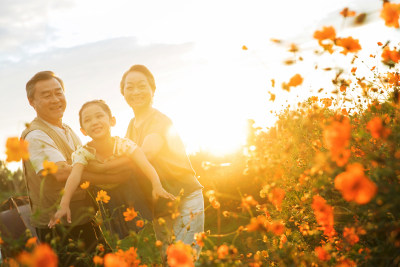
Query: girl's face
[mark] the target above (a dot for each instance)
(137, 90)
(96, 123)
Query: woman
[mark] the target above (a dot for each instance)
(153, 132)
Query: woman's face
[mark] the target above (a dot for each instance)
(137, 90)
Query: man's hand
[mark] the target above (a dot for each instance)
(63, 211)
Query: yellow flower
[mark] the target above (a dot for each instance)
(85, 185)
(16, 149)
(102, 196)
(49, 167)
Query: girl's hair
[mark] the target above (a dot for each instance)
(100, 103)
(139, 68)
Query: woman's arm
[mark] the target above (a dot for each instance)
(141, 161)
(73, 181)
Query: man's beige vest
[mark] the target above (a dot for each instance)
(45, 192)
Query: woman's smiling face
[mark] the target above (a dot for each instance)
(137, 90)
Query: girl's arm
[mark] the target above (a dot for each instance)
(141, 161)
(72, 183)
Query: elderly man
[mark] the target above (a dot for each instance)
(50, 140)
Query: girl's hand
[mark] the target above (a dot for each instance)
(63, 211)
(160, 192)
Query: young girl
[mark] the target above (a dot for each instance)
(96, 121)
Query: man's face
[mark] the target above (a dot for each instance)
(49, 101)
(137, 90)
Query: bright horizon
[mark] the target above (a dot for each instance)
(206, 83)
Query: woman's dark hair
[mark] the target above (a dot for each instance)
(142, 69)
(100, 103)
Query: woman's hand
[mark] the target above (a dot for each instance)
(63, 211)
(160, 192)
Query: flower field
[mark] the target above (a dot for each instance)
(319, 188)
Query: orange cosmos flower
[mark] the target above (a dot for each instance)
(158, 244)
(85, 185)
(49, 167)
(244, 47)
(16, 149)
(129, 214)
(354, 185)
(102, 196)
(1, 241)
(337, 139)
(257, 223)
(42, 256)
(327, 33)
(314, 98)
(322, 254)
(327, 102)
(393, 78)
(390, 13)
(112, 260)
(179, 255)
(276, 227)
(276, 196)
(248, 201)
(31, 242)
(350, 235)
(199, 237)
(140, 223)
(349, 45)
(97, 260)
(295, 80)
(324, 215)
(347, 13)
(375, 126)
(390, 56)
(222, 251)
(130, 256)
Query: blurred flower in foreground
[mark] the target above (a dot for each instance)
(49, 167)
(179, 254)
(42, 256)
(276, 197)
(390, 57)
(102, 196)
(112, 260)
(354, 185)
(322, 254)
(296, 80)
(16, 149)
(337, 139)
(375, 126)
(390, 13)
(324, 215)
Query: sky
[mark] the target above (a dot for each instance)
(205, 82)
